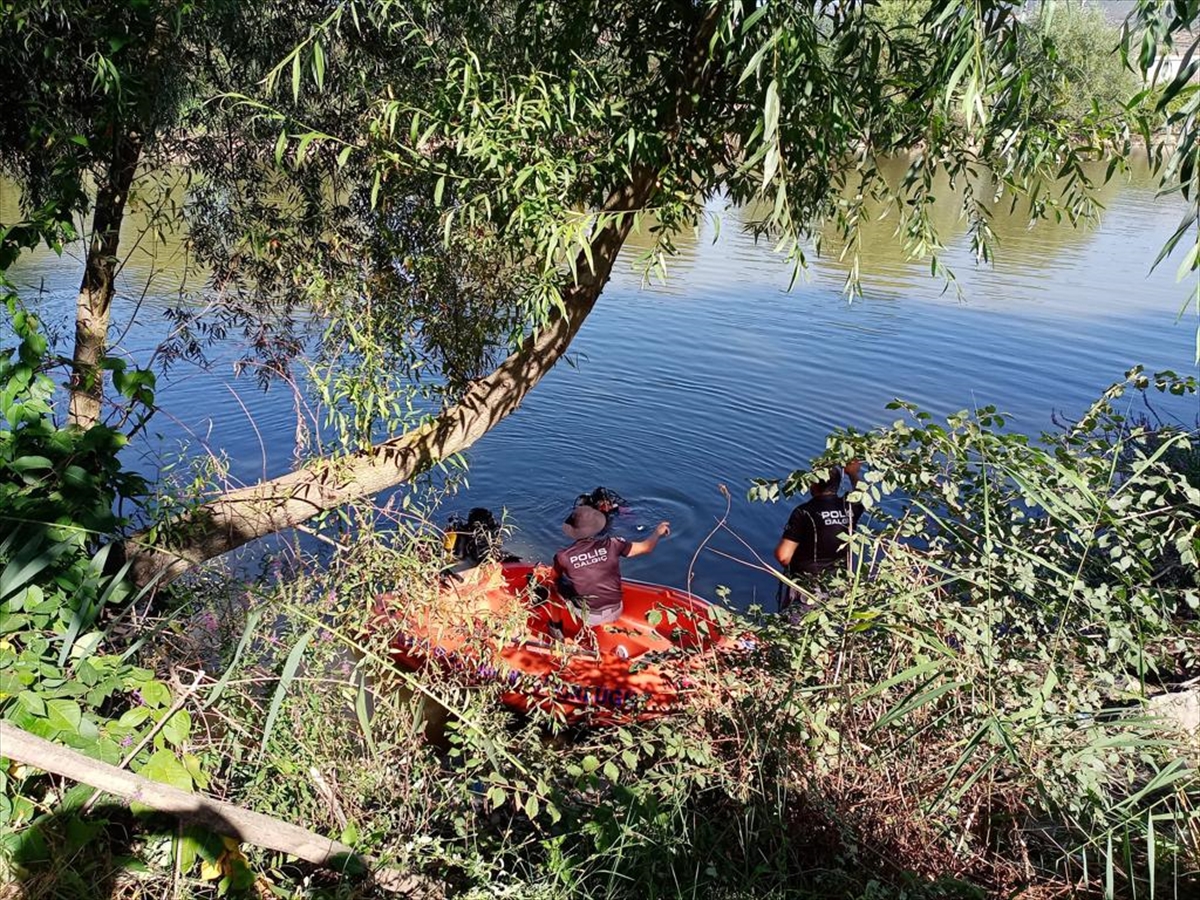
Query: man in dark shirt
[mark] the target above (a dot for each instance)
(813, 540)
(589, 571)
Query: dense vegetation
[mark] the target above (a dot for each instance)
(446, 186)
(968, 715)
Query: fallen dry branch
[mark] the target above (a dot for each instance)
(218, 816)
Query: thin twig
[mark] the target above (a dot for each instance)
(728, 504)
(313, 533)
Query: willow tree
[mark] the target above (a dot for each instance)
(100, 99)
(531, 139)
(91, 92)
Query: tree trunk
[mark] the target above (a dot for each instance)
(96, 290)
(244, 515)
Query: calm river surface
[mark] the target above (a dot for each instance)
(721, 375)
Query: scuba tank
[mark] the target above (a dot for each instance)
(475, 539)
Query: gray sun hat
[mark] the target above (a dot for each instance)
(584, 522)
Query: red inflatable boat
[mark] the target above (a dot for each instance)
(493, 625)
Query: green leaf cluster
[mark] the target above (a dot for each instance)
(1098, 523)
(1016, 614)
(65, 675)
(54, 475)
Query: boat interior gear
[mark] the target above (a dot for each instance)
(476, 539)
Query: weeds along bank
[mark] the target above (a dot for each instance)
(973, 712)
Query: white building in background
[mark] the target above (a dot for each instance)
(1171, 62)
(1116, 12)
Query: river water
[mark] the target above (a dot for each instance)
(721, 374)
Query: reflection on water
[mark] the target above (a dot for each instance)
(720, 375)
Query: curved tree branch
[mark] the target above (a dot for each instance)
(243, 515)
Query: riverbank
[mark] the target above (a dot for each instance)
(970, 713)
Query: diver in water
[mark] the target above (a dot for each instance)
(604, 499)
(814, 544)
(476, 540)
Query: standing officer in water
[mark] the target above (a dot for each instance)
(814, 539)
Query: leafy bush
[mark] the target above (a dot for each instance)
(1072, 56)
(971, 712)
(68, 668)
(1014, 607)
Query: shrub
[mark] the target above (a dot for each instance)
(1072, 55)
(68, 671)
(1014, 607)
(965, 716)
